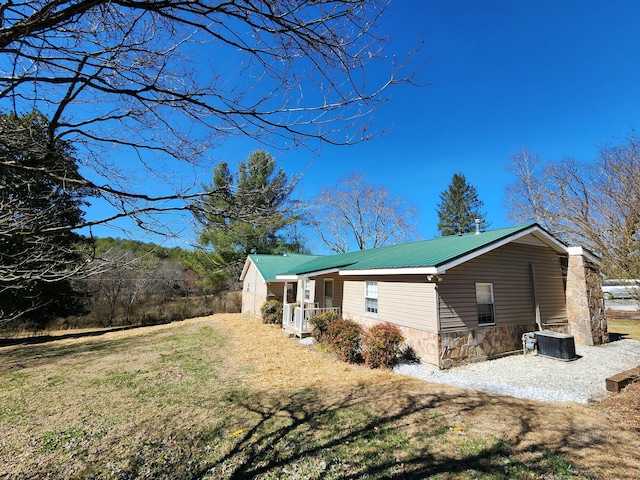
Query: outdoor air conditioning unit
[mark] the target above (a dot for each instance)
(556, 345)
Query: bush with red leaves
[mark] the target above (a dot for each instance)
(381, 345)
(343, 337)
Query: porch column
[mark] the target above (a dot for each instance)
(302, 301)
(585, 308)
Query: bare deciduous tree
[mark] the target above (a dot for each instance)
(526, 198)
(155, 82)
(354, 213)
(141, 88)
(596, 204)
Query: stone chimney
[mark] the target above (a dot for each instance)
(585, 306)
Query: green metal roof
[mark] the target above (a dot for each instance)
(271, 265)
(331, 262)
(426, 253)
(436, 252)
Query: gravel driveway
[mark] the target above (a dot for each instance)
(540, 378)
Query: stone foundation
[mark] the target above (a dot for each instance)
(556, 327)
(424, 345)
(457, 348)
(480, 344)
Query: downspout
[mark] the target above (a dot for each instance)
(534, 294)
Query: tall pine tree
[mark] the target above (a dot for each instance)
(246, 213)
(459, 208)
(41, 204)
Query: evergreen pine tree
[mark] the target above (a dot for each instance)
(41, 204)
(459, 208)
(247, 213)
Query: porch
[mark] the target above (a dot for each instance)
(296, 319)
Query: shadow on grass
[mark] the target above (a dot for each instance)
(38, 339)
(28, 356)
(308, 435)
(614, 337)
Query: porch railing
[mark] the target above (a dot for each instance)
(294, 318)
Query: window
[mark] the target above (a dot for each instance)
(484, 299)
(307, 289)
(371, 297)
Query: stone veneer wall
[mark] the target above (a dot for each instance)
(479, 344)
(457, 348)
(425, 345)
(585, 307)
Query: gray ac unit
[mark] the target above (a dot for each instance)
(556, 345)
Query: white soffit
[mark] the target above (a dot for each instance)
(539, 238)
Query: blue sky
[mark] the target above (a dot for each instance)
(559, 77)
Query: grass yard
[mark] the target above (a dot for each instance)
(624, 327)
(225, 397)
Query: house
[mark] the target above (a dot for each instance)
(259, 282)
(460, 298)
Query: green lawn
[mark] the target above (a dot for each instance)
(625, 328)
(176, 402)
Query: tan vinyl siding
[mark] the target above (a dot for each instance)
(353, 297)
(254, 292)
(261, 287)
(275, 291)
(405, 301)
(507, 268)
(337, 289)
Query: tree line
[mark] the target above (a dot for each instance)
(49, 271)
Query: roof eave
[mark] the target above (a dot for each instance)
(548, 238)
(285, 278)
(585, 253)
(245, 268)
(300, 276)
(395, 271)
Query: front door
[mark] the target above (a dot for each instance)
(328, 293)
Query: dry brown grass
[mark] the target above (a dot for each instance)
(228, 397)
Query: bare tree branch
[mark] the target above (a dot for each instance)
(171, 79)
(594, 204)
(356, 214)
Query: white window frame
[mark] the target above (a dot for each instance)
(307, 290)
(481, 304)
(371, 299)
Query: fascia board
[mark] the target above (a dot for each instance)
(585, 253)
(245, 268)
(394, 271)
(319, 272)
(285, 278)
(547, 238)
(301, 276)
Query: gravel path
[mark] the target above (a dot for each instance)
(540, 378)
